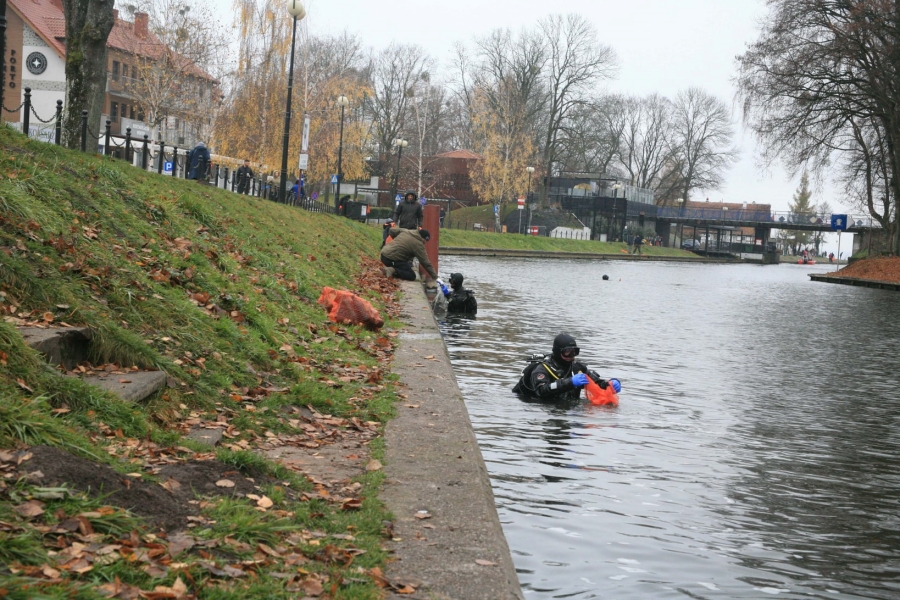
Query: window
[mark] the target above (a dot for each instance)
(115, 73)
(131, 112)
(114, 112)
(133, 72)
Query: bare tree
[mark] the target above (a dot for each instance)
(646, 154)
(592, 137)
(701, 141)
(394, 73)
(88, 23)
(819, 87)
(576, 63)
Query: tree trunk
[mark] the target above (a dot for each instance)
(88, 23)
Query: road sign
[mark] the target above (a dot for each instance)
(398, 198)
(315, 195)
(521, 203)
(334, 179)
(839, 222)
(167, 166)
(496, 209)
(303, 163)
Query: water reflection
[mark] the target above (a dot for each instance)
(754, 450)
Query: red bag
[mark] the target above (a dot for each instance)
(600, 397)
(346, 307)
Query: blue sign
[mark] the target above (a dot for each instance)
(167, 166)
(398, 198)
(496, 208)
(315, 195)
(334, 179)
(839, 222)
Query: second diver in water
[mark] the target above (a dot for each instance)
(558, 376)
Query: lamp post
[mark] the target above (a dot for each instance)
(296, 10)
(3, 82)
(343, 103)
(530, 171)
(399, 144)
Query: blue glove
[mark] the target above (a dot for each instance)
(579, 380)
(616, 385)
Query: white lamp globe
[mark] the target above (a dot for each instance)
(295, 9)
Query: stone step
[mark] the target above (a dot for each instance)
(67, 346)
(133, 386)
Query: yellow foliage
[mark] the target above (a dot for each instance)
(501, 177)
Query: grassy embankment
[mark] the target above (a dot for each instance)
(219, 291)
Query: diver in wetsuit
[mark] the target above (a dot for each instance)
(460, 300)
(559, 376)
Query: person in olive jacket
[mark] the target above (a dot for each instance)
(408, 214)
(397, 256)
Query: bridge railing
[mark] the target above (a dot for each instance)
(773, 218)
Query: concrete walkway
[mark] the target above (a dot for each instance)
(460, 251)
(448, 539)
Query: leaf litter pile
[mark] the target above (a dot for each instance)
(254, 473)
(881, 268)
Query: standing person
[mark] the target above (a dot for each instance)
(638, 242)
(198, 162)
(397, 256)
(408, 213)
(558, 376)
(244, 174)
(460, 300)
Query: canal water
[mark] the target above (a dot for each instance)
(755, 451)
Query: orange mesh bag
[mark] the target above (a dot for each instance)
(600, 397)
(346, 307)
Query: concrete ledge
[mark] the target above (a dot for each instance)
(455, 549)
(65, 346)
(871, 283)
(133, 386)
(457, 251)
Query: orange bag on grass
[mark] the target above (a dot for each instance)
(600, 397)
(346, 307)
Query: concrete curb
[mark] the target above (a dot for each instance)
(458, 251)
(456, 549)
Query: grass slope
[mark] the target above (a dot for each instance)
(214, 288)
(455, 238)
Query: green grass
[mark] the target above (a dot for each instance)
(476, 239)
(204, 284)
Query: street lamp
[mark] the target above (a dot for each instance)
(296, 10)
(616, 187)
(530, 171)
(3, 83)
(399, 144)
(343, 103)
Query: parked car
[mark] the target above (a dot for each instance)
(691, 245)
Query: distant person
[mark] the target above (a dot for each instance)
(397, 256)
(460, 300)
(198, 161)
(831, 257)
(295, 191)
(558, 376)
(638, 242)
(244, 175)
(408, 214)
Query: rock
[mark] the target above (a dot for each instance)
(67, 346)
(133, 386)
(205, 436)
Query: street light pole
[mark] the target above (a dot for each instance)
(530, 171)
(296, 10)
(616, 187)
(342, 102)
(400, 144)
(3, 83)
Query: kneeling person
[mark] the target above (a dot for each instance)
(406, 245)
(559, 376)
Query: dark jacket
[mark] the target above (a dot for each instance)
(198, 160)
(550, 378)
(408, 215)
(462, 300)
(408, 244)
(244, 173)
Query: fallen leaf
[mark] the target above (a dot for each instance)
(485, 563)
(30, 509)
(374, 465)
(225, 483)
(265, 502)
(422, 514)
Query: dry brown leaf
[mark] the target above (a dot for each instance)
(225, 483)
(265, 502)
(374, 465)
(30, 509)
(485, 563)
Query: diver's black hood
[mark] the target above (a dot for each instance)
(561, 342)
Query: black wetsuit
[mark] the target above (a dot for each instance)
(462, 301)
(551, 378)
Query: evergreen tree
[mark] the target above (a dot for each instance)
(802, 210)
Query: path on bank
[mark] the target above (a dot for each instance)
(455, 549)
(518, 253)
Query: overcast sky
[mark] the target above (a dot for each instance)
(663, 46)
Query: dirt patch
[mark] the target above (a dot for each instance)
(882, 268)
(164, 507)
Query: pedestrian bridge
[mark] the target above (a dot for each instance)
(723, 217)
